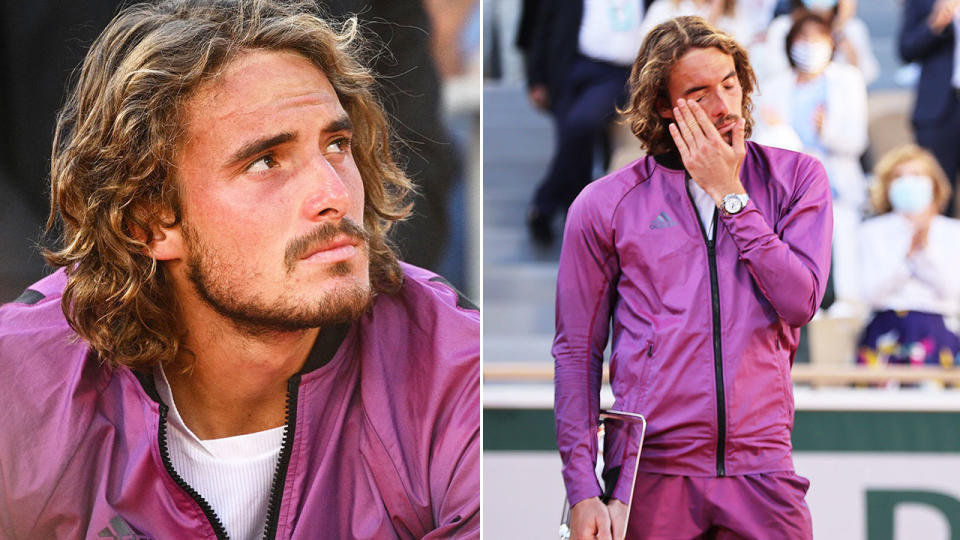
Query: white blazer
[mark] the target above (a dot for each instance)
(844, 132)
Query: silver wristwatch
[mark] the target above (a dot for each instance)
(734, 203)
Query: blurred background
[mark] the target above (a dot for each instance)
(877, 427)
(429, 84)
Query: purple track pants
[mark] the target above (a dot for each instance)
(758, 506)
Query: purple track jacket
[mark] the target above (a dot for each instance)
(704, 332)
(382, 440)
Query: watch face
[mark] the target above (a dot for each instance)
(732, 205)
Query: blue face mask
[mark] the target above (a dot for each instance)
(911, 194)
(820, 5)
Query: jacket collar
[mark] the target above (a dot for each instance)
(670, 160)
(324, 348)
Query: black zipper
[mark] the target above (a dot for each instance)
(215, 522)
(276, 490)
(717, 345)
(279, 477)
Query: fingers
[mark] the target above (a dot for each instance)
(739, 146)
(706, 125)
(678, 140)
(603, 525)
(590, 520)
(618, 518)
(689, 124)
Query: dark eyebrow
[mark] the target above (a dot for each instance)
(342, 123)
(699, 88)
(253, 148)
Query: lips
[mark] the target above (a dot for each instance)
(727, 126)
(328, 242)
(340, 248)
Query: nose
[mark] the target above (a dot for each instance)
(328, 196)
(716, 106)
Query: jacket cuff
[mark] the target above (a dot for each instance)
(746, 226)
(621, 491)
(581, 485)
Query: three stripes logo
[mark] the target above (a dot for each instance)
(119, 529)
(662, 221)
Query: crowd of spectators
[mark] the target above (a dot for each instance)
(895, 246)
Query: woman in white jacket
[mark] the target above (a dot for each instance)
(910, 257)
(850, 34)
(820, 108)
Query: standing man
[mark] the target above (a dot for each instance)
(231, 348)
(928, 36)
(578, 61)
(707, 256)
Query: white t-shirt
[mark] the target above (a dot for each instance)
(610, 30)
(233, 474)
(705, 204)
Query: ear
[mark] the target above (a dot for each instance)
(166, 242)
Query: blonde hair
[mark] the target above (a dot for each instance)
(884, 175)
(112, 173)
(661, 49)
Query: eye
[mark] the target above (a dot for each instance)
(340, 145)
(263, 163)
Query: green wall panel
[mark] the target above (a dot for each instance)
(827, 431)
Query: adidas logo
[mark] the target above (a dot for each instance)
(662, 221)
(119, 529)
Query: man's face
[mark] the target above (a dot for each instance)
(272, 199)
(709, 77)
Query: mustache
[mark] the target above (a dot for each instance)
(726, 119)
(322, 234)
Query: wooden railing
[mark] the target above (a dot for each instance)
(814, 375)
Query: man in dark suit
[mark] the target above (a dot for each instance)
(928, 36)
(579, 90)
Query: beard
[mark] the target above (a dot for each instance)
(728, 136)
(229, 294)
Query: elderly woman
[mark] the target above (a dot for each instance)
(909, 264)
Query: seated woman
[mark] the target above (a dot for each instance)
(909, 262)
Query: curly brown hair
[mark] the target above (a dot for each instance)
(112, 173)
(662, 47)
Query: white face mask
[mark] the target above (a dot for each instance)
(811, 56)
(822, 5)
(911, 193)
